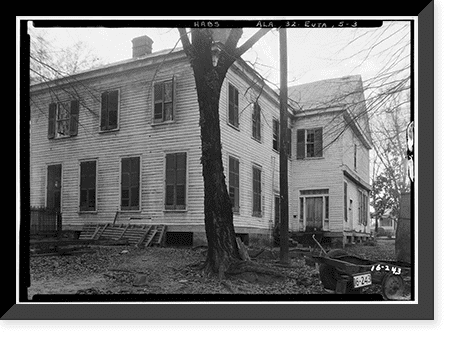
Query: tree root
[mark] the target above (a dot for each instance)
(253, 272)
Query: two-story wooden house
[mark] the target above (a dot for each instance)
(330, 168)
(126, 138)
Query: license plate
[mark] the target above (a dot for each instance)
(362, 280)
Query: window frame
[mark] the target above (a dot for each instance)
(139, 207)
(235, 209)
(303, 143)
(166, 207)
(257, 213)
(236, 106)
(257, 120)
(72, 119)
(96, 185)
(276, 136)
(117, 128)
(155, 121)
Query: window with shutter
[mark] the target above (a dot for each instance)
(51, 122)
(63, 119)
(109, 110)
(300, 144)
(256, 191)
(256, 122)
(130, 183)
(276, 135)
(87, 194)
(345, 202)
(175, 183)
(311, 144)
(163, 101)
(233, 106)
(234, 183)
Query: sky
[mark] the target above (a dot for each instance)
(313, 53)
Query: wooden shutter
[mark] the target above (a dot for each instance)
(112, 120)
(300, 144)
(318, 142)
(345, 202)
(74, 118)
(52, 117)
(104, 111)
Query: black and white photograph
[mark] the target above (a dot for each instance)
(221, 160)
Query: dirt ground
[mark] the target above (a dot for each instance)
(153, 270)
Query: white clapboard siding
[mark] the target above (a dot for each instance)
(135, 137)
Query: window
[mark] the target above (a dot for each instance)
(309, 143)
(164, 101)
(362, 207)
(234, 183)
(256, 123)
(87, 201)
(233, 106)
(130, 183)
(63, 119)
(345, 202)
(276, 134)
(109, 110)
(354, 156)
(175, 193)
(256, 191)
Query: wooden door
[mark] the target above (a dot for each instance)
(314, 213)
(53, 200)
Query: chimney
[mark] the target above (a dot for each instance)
(141, 46)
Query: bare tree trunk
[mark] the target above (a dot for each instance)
(223, 254)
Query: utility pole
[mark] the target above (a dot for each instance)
(283, 157)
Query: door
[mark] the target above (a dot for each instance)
(53, 200)
(314, 213)
(350, 215)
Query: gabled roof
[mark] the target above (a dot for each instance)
(344, 93)
(325, 93)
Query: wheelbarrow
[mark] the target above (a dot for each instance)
(347, 274)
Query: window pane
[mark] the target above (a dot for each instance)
(168, 111)
(158, 111)
(169, 195)
(168, 91)
(135, 197)
(158, 92)
(125, 180)
(180, 195)
(125, 194)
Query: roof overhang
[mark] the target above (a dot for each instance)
(348, 173)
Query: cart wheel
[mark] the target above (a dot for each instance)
(329, 274)
(392, 286)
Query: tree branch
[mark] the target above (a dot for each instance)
(251, 41)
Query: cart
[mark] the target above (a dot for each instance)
(347, 274)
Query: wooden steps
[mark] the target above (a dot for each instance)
(142, 235)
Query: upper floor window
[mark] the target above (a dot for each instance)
(276, 127)
(256, 122)
(163, 101)
(63, 119)
(233, 106)
(355, 154)
(109, 110)
(309, 143)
